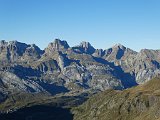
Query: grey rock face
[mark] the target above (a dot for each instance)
(10, 82)
(47, 66)
(147, 65)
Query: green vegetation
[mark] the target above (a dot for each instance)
(21, 100)
(137, 103)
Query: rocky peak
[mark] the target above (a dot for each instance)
(85, 47)
(115, 53)
(99, 53)
(35, 48)
(58, 45)
(32, 52)
(149, 54)
(119, 46)
(3, 42)
(12, 50)
(18, 47)
(85, 44)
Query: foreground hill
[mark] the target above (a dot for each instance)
(137, 103)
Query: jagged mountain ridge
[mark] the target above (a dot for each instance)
(61, 68)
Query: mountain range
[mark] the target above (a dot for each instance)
(60, 68)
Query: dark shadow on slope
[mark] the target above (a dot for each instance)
(127, 79)
(23, 72)
(120, 53)
(155, 63)
(3, 97)
(39, 112)
(52, 88)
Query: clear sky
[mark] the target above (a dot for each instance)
(103, 23)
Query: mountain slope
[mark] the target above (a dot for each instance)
(137, 103)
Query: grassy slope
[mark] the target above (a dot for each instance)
(20, 100)
(137, 103)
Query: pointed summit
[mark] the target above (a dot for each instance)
(85, 44)
(2, 42)
(116, 52)
(58, 45)
(120, 46)
(32, 51)
(87, 47)
(13, 46)
(55, 46)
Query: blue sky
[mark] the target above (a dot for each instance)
(103, 23)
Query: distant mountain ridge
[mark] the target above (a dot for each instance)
(61, 68)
